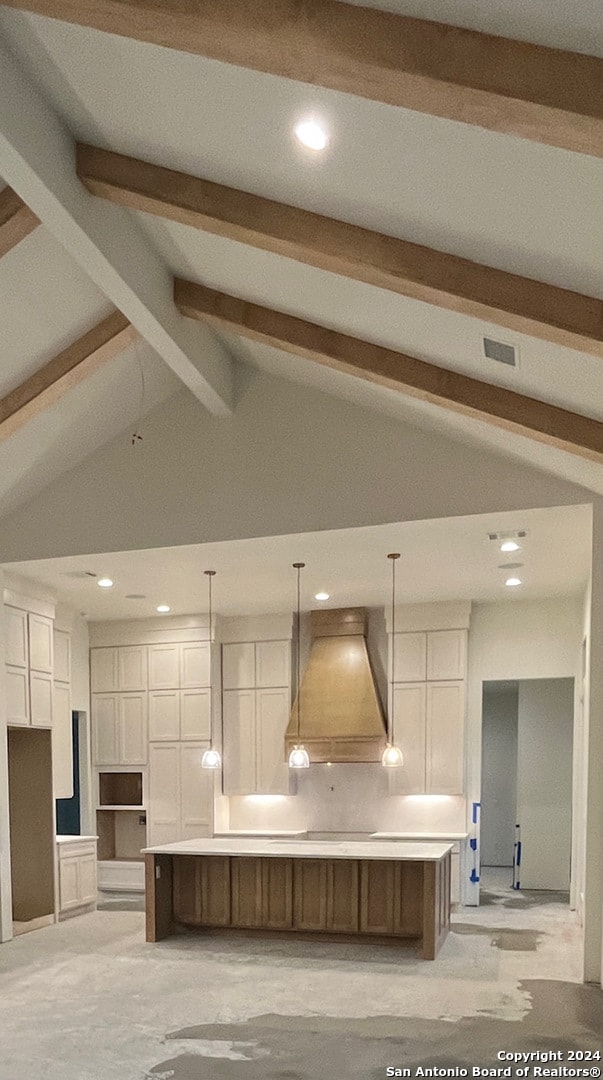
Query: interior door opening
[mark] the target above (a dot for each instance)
(31, 828)
(526, 800)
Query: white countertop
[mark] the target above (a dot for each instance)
(75, 839)
(306, 849)
(419, 836)
(261, 832)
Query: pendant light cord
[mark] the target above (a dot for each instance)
(299, 567)
(390, 733)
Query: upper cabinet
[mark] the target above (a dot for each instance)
(256, 664)
(113, 669)
(62, 656)
(16, 637)
(40, 643)
(183, 666)
(430, 655)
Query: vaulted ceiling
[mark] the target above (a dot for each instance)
(460, 197)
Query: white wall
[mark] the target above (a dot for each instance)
(6, 914)
(290, 460)
(545, 721)
(499, 775)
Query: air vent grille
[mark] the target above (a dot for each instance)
(503, 354)
(517, 534)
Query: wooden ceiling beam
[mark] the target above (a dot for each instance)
(537, 420)
(543, 94)
(434, 277)
(16, 220)
(64, 372)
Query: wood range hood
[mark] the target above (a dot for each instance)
(340, 712)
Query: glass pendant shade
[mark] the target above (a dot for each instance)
(392, 757)
(299, 758)
(211, 759)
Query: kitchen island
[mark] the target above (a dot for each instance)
(371, 891)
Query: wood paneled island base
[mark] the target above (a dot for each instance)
(329, 897)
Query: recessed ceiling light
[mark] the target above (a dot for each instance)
(509, 545)
(322, 596)
(311, 134)
(105, 583)
(512, 582)
(163, 608)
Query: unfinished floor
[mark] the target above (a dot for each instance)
(89, 1000)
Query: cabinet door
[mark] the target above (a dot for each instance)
(62, 743)
(445, 738)
(87, 883)
(215, 890)
(310, 894)
(277, 893)
(272, 717)
(246, 891)
(195, 714)
(342, 896)
(409, 734)
(239, 742)
(133, 729)
(196, 793)
(40, 699)
(17, 649)
(62, 656)
(164, 715)
(164, 794)
(132, 667)
(40, 643)
(410, 657)
(446, 654)
(195, 665)
(164, 667)
(408, 891)
(377, 882)
(272, 663)
(105, 744)
(238, 666)
(103, 671)
(69, 883)
(17, 697)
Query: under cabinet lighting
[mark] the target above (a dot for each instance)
(105, 583)
(311, 134)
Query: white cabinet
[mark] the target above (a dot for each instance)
(164, 667)
(429, 728)
(446, 654)
(430, 655)
(119, 729)
(180, 714)
(17, 697)
(77, 875)
(445, 722)
(180, 793)
(255, 722)
(62, 742)
(40, 643)
(195, 664)
(40, 699)
(410, 659)
(113, 669)
(62, 656)
(16, 637)
(259, 664)
(103, 671)
(173, 667)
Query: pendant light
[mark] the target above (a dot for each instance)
(392, 757)
(298, 757)
(212, 759)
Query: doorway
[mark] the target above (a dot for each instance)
(526, 800)
(30, 798)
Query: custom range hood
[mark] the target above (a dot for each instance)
(340, 712)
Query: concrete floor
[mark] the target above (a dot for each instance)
(89, 1000)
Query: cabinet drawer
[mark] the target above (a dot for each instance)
(74, 851)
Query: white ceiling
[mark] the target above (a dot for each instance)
(441, 560)
(530, 209)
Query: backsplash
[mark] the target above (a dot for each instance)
(348, 798)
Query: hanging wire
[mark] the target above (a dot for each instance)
(299, 567)
(210, 574)
(136, 436)
(390, 727)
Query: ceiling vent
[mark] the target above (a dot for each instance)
(517, 534)
(497, 350)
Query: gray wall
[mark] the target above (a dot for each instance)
(499, 774)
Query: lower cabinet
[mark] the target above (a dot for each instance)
(262, 893)
(326, 895)
(77, 876)
(180, 793)
(391, 898)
